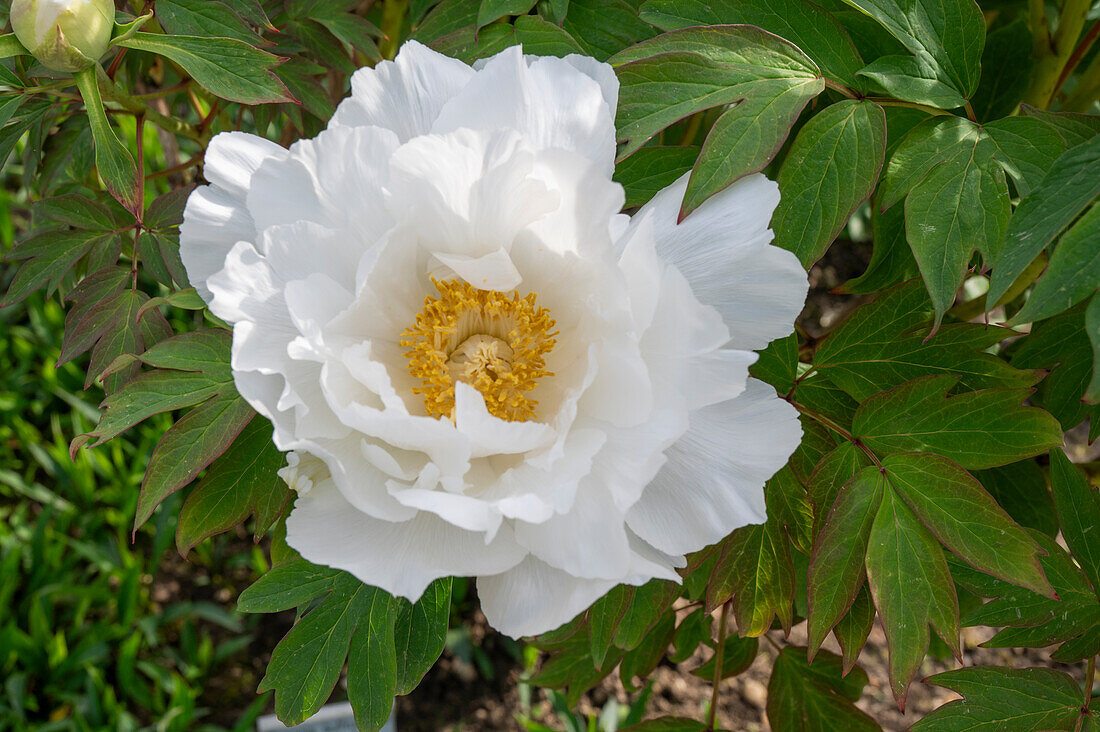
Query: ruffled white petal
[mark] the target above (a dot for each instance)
(714, 479)
(403, 95)
(213, 221)
(402, 558)
(233, 157)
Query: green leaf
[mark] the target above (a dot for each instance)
(652, 169)
(891, 259)
(1027, 148)
(853, 629)
(912, 589)
(605, 27)
(49, 256)
(829, 476)
(966, 519)
(831, 168)
(570, 665)
(372, 665)
(206, 18)
(286, 586)
(803, 696)
(240, 483)
(1072, 275)
(737, 655)
(420, 634)
(542, 38)
(640, 662)
(1003, 84)
(191, 444)
(931, 142)
(490, 10)
(885, 343)
(789, 506)
(692, 631)
(944, 34)
(754, 567)
(1061, 345)
(667, 724)
(980, 429)
(306, 664)
(808, 26)
(1092, 327)
(225, 67)
(10, 46)
(113, 161)
(998, 698)
(683, 72)
(836, 566)
(960, 206)
(1078, 506)
(907, 78)
(1021, 490)
(1069, 186)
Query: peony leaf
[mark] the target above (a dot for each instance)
(49, 256)
(1078, 507)
(1021, 490)
(966, 519)
(853, 629)
(1005, 698)
(829, 476)
(808, 26)
(836, 566)
(980, 429)
(605, 27)
(225, 67)
(1073, 273)
(737, 655)
(206, 18)
(683, 72)
(832, 167)
(891, 259)
(1065, 191)
(886, 343)
(754, 568)
(907, 78)
(372, 661)
(640, 662)
(1003, 85)
(420, 633)
(912, 589)
(650, 169)
(1026, 148)
(242, 482)
(1061, 345)
(286, 586)
(490, 10)
(112, 159)
(817, 696)
(947, 33)
(1092, 327)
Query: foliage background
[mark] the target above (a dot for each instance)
(925, 490)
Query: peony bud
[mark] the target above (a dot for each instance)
(64, 35)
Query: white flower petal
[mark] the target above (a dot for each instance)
(552, 102)
(489, 435)
(403, 95)
(492, 271)
(232, 158)
(402, 558)
(213, 221)
(714, 479)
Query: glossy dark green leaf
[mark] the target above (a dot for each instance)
(48, 257)
(112, 159)
(966, 519)
(1003, 84)
(1072, 275)
(570, 666)
(995, 697)
(490, 10)
(1021, 490)
(831, 168)
(209, 18)
(980, 429)
(1027, 148)
(912, 589)
(241, 483)
(886, 343)
(836, 566)
(651, 169)
(755, 568)
(1078, 506)
(605, 27)
(1092, 328)
(817, 696)
(445, 18)
(306, 664)
(891, 259)
(912, 80)
(929, 143)
(789, 506)
(372, 665)
(543, 38)
(948, 33)
(692, 631)
(737, 655)
(828, 478)
(808, 26)
(287, 586)
(670, 77)
(1061, 346)
(640, 662)
(853, 629)
(959, 207)
(1069, 186)
(420, 634)
(225, 67)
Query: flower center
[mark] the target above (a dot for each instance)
(493, 341)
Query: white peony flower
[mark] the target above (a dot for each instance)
(438, 298)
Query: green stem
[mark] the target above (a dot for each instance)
(1040, 31)
(113, 161)
(112, 93)
(840, 88)
(718, 652)
(1049, 65)
(1087, 90)
(393, 17)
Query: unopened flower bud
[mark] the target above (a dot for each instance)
(64, 35)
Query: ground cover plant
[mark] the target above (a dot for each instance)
(929, 492)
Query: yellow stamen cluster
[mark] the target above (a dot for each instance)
(494, 341)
